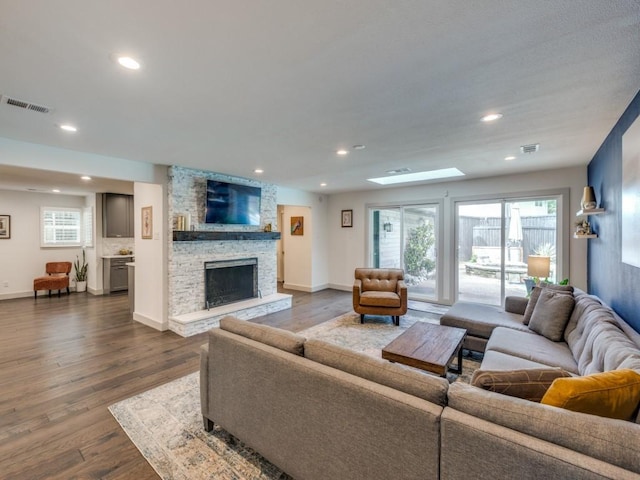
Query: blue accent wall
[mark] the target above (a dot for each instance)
(616, 283)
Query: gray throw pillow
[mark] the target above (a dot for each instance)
(551, 314)
(535, 294)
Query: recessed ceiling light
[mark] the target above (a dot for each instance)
(68, 128)
(510, 157)
(323, 184)
(342, 151)
(418, 176)
(491, 117)
(85, 177)
(359, 147)
(128, 62)
(55, 190)
(258, 170)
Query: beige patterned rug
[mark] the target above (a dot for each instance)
(166, 426)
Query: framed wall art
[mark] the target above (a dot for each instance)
(5, 227)
(347, 218)
(147, 222)
(297, 225)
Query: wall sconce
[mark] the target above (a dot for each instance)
(387, 227)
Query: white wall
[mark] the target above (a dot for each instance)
(348, 245)
(306, 264)
(21, 257)
(150, 257)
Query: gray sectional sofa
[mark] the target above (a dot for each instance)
(319, 411)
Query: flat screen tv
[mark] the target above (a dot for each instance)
(230, 203)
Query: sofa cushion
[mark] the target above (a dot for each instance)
(400, 377)
(479, 320)
(494, 360)
(535, 295)
(609, 440)
(275, 337)
(614, 394)
(515, 304)
(551, 314)
(530, 384)
(533, 347)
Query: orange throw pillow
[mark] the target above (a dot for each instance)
(614, 394)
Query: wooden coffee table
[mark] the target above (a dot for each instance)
(428, 347)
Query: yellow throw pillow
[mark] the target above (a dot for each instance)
(614, 394)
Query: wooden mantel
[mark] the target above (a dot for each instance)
(207, 236)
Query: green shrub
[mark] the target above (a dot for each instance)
(419, 242)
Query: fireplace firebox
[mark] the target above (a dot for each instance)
(229, 281)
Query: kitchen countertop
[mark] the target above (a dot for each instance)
(130, 264)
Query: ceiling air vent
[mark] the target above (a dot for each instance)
(533, 148)
(25, 105)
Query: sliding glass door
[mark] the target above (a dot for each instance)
(407, 237)
(495, 239)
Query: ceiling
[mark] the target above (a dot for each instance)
(232, 86)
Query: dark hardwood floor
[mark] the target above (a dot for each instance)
(64, 360)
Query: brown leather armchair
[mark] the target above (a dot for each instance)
(380, 291)
(57, 278)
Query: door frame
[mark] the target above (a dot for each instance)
(439, 227)
(563, 216)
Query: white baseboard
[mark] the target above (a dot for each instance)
(337, 286)
(149, 322)
(9, 296)
(305, 288)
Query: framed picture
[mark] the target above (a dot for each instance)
(347, 218)
(147, 222)
(297, 225)
(5, 227)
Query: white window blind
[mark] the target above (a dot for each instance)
(61, 227)
(87, 226)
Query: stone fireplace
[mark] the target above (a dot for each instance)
(229, 281)
(224, 245)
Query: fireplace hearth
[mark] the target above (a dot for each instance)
(229, 281)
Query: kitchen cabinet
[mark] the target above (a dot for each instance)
(115, 276)
(117, 215)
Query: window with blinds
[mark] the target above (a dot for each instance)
(66, 227)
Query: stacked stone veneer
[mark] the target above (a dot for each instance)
(187, 196)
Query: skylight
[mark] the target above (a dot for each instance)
(418, 176)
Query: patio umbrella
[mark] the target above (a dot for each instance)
(515, 228)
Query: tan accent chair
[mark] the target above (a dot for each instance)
(380, 291)
(57, 278)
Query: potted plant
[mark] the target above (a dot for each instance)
(81, 273)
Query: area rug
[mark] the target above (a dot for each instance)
(165, 423)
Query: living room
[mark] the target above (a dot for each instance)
(578, 105)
